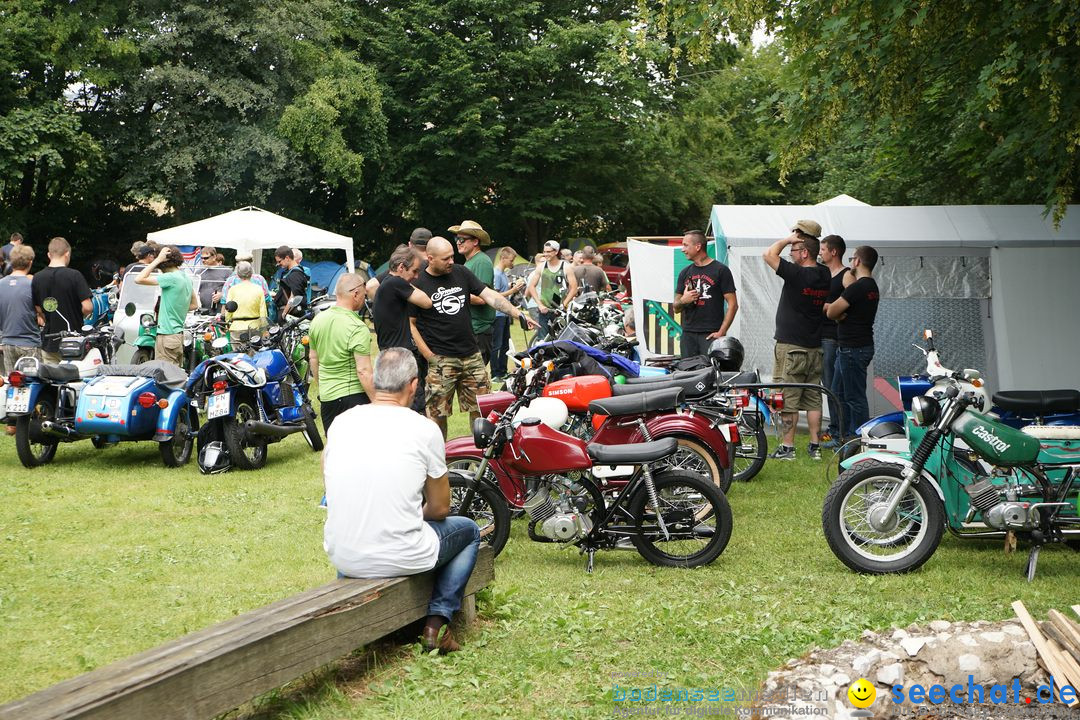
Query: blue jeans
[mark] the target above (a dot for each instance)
(543, 332)
(500, 343)
(849, 383)
(828, 350)
(459, 540)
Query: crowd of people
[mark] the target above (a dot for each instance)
(824, 326)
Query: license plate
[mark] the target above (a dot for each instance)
(217, 405)
(18, 400)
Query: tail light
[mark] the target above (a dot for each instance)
(778, 400)
(220, 386)
(16, 379)
(147, 399)
(742, 398)
(163, 403)
(736, 438)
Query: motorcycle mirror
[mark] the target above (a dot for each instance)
(231, 306)
(129, 309)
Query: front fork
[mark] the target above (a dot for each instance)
(910, 475)
(470, 488)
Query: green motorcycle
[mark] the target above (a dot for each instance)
(978, 477)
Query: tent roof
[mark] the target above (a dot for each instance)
(252, 228)
(916, 226)
(843, 199)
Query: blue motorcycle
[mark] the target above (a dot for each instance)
(251, 401)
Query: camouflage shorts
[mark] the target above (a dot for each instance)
(468, 376)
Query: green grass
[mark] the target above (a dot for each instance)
(107, 553)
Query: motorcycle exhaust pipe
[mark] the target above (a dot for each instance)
(254, 427)
(50, 427)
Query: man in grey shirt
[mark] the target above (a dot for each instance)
(19, 333)
(589, 274)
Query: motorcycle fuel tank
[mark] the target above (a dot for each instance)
(578, 392)
(495, 402)
(273, 362)
(539, 450)
(995, 442)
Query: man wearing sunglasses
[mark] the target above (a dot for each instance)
(798, 354)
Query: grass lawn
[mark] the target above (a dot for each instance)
(106, 553)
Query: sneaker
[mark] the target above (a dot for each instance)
(813, 451)
(783, 453)
(322, 503)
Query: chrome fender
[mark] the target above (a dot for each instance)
(891, 459)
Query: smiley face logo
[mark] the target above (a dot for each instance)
(861, 693)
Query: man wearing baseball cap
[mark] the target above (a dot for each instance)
(552, 284)
(798, 354)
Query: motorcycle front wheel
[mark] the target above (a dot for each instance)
(753, 446)
(488, 509)
(30, 445)
(689, 525)
(244, 452)
(311, 430)
(903, 543)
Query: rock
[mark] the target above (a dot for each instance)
(827, 670)
(862, 664)
(994, 637)
(891, 675)
(868, 635)
(969, 662)
(1014, 629)
(940, 625)
(841, 679)
(912, 646)
(968, 640)
(899, 634)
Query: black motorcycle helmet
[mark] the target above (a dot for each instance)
(726, 354)
(214, 458)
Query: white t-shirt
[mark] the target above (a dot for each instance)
(376, 461)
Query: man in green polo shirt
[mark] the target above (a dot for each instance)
(470, 238)
(340, 352)
(177, 297)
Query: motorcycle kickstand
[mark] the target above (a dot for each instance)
(590, 554)
(1033, 559)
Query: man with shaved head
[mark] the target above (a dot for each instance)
(444, 334)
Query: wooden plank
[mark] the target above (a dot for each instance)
(1069, 629)
(219, 668)
(1064, 648)
(1044, 649)
(1076, 609)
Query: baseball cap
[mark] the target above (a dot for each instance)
(420, 236)
(143, 250)
(551, 245)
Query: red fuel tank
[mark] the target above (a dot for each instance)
(578, 392)
(539, 450)
(494, 402)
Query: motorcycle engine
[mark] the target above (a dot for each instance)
(579, 426)
(554, 509)
(1000, 510)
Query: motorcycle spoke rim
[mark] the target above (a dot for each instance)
(478, 511)
(689, 518)
(893, 543)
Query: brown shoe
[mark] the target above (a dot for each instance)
(441, 638)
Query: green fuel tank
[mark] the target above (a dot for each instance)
(995, 442)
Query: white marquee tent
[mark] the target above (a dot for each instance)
(1000, 285)
(253, 229)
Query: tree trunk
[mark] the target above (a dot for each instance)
(536, 234)
(26, 191)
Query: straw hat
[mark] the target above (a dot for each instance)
(470, 227)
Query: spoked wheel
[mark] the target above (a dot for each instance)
(311, 430)
(468, 466)
(753, 447)
(695, 457)
(33, 447)
(689, 525)
(488, 509)
(860, 535)
(177, 452)
(142, 355)
(245, 452)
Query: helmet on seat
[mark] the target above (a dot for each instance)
(726, 353)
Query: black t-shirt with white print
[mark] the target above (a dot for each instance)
(713, 281)
(447, 326)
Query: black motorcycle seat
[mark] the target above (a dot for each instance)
(740, 377)
(1038, 402)
(677, 375)
(64, 372)
(163, 373)
(634, 454)
(638, 403)
(695, 385)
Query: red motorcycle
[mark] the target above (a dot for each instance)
(671, 517)
(597, 411)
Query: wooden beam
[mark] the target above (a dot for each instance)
(214, 670)
(1049, 655)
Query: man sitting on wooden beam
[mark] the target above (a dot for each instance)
(388, 515)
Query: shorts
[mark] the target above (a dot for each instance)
(10, 354)
(467, 375)
(170, 348)
(797, 364)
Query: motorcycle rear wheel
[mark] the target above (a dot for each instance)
(902, 547)
(752, 449)
(693, 456)
(31, 450)
(311, 430)
(243, 452)
(695, 513)
(142, 355)
(488, 509)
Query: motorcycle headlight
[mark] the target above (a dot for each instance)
(146, 320)
(482, 431)
(925, 410)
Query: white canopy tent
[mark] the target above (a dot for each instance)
(254, 229)
(999, 284)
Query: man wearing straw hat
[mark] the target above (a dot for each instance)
(470, 237)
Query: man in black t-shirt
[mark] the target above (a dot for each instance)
(391, 311)
(833, 248)
(702, 291)
(417, 241)
(444, 335)
(798, 332)
(293, 283)
(61, 298)
(854, 312)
